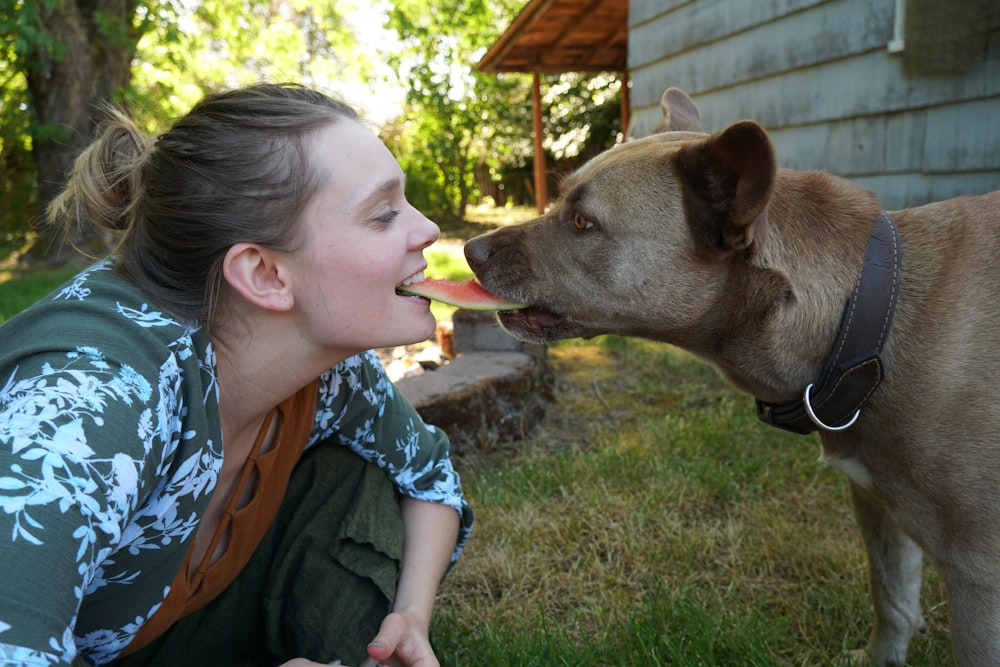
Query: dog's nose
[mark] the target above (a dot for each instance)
(477, 251)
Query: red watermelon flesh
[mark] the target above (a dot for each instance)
(469, 295)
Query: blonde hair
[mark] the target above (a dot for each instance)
(233, 169)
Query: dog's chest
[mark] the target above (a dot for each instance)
(855, 470)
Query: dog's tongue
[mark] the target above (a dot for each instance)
(469, 295)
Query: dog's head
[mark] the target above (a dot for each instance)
(636, 242)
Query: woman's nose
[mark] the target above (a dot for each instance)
(427, 232)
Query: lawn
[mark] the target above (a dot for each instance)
(651, 520)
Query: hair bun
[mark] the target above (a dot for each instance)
(105, 183)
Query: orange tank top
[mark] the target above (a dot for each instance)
(245, 524)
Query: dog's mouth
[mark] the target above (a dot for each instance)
(534, 324)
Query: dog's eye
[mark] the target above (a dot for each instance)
(581, 222)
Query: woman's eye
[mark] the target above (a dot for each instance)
(581, 222)
(388, 216)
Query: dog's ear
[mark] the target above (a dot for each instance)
(679, 113)
(727, 182)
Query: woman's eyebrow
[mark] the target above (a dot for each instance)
(385, 187)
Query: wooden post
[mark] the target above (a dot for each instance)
(541, 190)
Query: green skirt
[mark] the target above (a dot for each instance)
(318, 586)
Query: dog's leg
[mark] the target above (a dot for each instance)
(974, 615)
(894, 568)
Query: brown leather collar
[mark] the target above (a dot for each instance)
(854, 368)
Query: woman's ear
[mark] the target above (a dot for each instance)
(259, 276)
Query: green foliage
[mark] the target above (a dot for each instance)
(185, 49)
(25, 35)
(116, 30)
(466, 135)
(584, 114)
(462, 137)
(193, 48)
(450, 113)
(18, 21)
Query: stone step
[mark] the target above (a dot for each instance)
(496, 387)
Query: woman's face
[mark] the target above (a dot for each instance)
(361, 239)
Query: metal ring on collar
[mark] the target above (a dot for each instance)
(816, 420)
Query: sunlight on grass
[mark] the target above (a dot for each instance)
(446, 260)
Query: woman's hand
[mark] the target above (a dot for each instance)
(402, 642)
(429, 534)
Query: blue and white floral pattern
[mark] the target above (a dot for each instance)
(110, 448)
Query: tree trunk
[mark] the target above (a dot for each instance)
(91, 62)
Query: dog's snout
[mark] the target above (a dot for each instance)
(478, 251)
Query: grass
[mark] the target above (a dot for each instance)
(445, 260)
(18, 291)
(651, 520)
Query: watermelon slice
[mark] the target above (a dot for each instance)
(469, 295)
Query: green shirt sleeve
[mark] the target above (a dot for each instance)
(360, 408)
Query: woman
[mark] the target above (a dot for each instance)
(201, 462)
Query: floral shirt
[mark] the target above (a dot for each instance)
(111, 445)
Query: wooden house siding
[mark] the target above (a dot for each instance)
(819, 76)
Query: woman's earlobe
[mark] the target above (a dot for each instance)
(258, 275)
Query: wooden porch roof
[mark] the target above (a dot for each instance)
(556, 36)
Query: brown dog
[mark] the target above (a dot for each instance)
(799, 289)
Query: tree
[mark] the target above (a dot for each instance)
(459, 122)
(65, 59)
(461, 132)
(454, 115)
(17, 169)
(197, 47)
